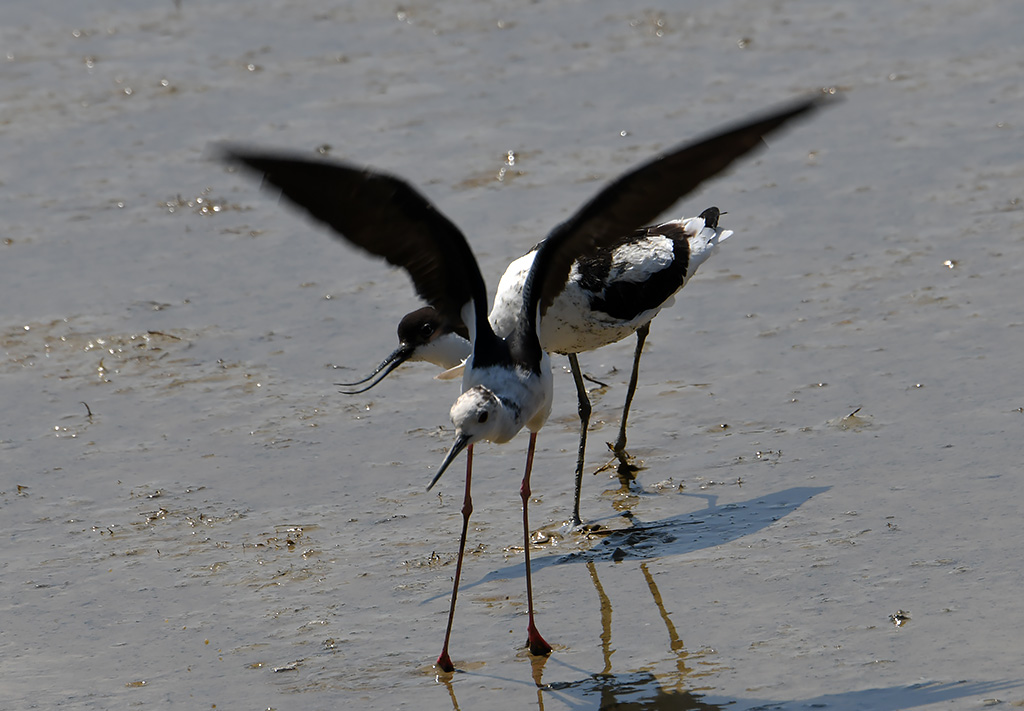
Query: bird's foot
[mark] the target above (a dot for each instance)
(623, 462)
(578, 527)
(444, 663)
(538, 647)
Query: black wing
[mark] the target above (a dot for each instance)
(636, 198)
(384, 216)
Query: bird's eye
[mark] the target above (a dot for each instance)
(482, 418)
(426, 330)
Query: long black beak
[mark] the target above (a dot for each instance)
(461, 442)
(397, 357)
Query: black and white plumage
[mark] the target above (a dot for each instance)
(609, 295)
(423, 336)
(507, 381)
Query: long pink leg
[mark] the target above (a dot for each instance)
(444, 662)
(534, 641)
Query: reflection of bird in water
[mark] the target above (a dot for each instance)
(507, 383)
(609, 295)
(638, 689)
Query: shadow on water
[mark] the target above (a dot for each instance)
(707, 528)
(893, 698)
(671, 687)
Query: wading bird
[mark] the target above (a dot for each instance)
(507, 381)
(609, 295)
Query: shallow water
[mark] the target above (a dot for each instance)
(196, 518)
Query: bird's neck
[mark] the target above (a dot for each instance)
(524, 397)
(446, 351)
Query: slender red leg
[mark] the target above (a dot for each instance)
(444, 662)
(534, 641)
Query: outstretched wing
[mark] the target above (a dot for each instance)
(638, 197)
(384, 216)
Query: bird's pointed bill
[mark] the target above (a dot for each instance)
(461, 442)
(397, 357)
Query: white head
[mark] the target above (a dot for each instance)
(476, 416)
